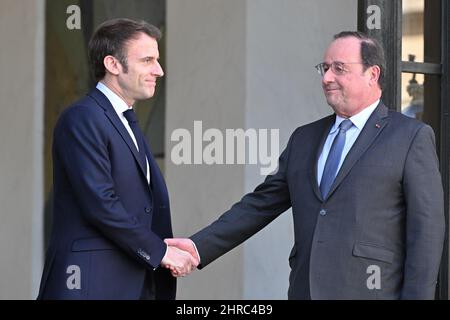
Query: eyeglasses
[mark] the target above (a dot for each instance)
(337, 67)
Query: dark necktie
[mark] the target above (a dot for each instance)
(133, 122)
(333, 159)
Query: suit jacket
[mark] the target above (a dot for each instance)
(108, 221)
(379, 233)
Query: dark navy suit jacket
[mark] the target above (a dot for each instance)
(108, 221)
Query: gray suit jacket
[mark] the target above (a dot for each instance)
(379, 233)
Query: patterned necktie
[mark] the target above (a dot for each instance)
(334, 157)
(133, 122)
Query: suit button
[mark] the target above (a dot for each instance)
(323, 212)
(147, 209)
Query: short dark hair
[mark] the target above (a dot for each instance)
(111, 37)
(372, 53)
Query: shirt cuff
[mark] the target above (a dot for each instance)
(198, 255)
(167, 248)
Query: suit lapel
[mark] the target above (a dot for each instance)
(104, 103)
(373, 127)
(329, 121)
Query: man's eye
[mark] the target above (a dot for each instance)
(326, 68)
(339, 68)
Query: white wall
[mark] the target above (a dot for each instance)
(205, 81)
(21, 136)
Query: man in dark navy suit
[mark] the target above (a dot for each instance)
(111, 206)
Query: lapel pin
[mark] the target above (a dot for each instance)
(377, 126)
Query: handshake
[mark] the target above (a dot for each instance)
(181, 256)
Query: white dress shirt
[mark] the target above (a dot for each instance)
(359, 121)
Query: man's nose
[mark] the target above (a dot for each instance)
(158, 71)
(328, 76)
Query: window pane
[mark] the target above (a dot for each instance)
(421, 99)
(412, 95)
(413, 30)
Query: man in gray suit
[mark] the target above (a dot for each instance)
(364, 187)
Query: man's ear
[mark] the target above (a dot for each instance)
(374, 73)
(112, 65)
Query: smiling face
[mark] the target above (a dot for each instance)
(138, 80)
(355, 89)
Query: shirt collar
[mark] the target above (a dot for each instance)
(359, 120)
(118, 104)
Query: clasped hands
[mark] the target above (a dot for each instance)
(181, 257)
